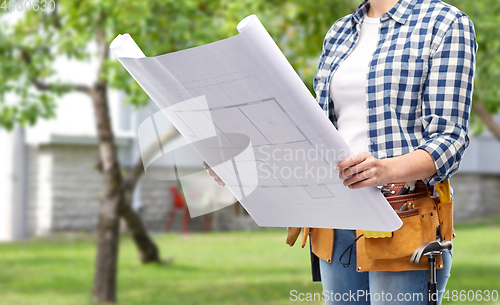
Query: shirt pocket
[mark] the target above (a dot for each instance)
(408, 81)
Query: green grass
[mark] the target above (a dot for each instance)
(476, 259)
(215, 268)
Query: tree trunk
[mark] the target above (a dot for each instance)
(108, 235)
(148, 251)
(104, 289)
(116, 197)
(485, 116)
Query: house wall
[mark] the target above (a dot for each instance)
(13, 176)
(475, 195)
(64, 188)
(64, 193)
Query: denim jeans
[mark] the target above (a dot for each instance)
(346, 286)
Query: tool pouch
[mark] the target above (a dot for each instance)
(445, 212)
(445, 209)
(419, 226)
(292, 235)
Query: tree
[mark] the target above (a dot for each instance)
(28, 51)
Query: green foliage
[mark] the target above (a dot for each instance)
(486, 17)
(28, 48)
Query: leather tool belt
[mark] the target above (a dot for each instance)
(418, 212)
(424, 219)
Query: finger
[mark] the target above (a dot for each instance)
(352, 161)
(212, 174)
(364, 183)
(367, 174)
(219, 181)
(351, 171)
(358, 168)
(205, 165)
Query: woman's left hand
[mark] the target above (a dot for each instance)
(363, 170)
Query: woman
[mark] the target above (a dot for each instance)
(395, 78)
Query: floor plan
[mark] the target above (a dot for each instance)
(241, 106)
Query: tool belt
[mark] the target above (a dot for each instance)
(422, 218)
(425, 218)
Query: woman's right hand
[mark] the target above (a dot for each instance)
(213, 174)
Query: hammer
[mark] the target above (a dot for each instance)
(431, 249)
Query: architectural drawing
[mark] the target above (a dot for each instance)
(240, 105)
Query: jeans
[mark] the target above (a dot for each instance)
(346, 286)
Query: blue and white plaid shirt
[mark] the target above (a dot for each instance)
(420, 80)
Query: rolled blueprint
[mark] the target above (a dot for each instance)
(241, 106)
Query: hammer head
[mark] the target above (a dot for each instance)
(430, 247)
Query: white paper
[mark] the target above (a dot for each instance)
(243, 108)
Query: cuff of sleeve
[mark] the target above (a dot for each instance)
(441, 153)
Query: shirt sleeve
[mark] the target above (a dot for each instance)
(447, 98)
(324, 101)
(322, 58)
(320, 75)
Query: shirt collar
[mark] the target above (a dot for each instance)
(399, 12)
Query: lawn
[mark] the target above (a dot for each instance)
(215, 268)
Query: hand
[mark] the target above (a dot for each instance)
(213, 174)
(363, 170)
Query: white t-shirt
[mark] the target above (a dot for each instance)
(348, 87)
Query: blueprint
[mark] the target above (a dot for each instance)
(241, 106)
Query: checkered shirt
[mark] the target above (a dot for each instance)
(419, 84)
